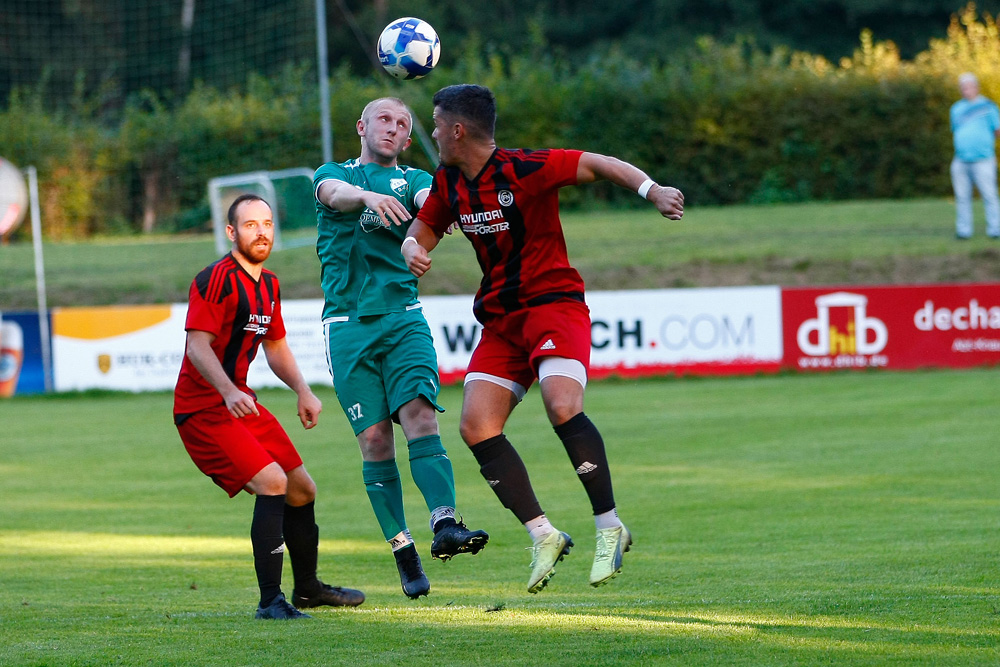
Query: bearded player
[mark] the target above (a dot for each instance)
(530, 302)
(234, 308)
(380, 350)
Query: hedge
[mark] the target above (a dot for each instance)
(727, 123)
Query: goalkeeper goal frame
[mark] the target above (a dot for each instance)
(257, 182)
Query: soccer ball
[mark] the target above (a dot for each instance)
(409, 48)
(13, 197)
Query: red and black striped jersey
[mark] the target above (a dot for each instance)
(226, 301)
(510, 213)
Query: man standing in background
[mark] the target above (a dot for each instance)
(975, 125)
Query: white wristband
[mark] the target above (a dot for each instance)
(407, 240)
(644, 188)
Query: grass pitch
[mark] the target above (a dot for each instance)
(795, 519)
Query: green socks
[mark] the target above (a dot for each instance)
(433, 475)
(386, 495)
(432, 471)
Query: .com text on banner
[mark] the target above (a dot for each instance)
(645, 332)
(641, 332)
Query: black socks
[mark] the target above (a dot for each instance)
(504, 471)
(586, 451)
(302, 539)
(268, 546)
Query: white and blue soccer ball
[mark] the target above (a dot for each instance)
(409, 48)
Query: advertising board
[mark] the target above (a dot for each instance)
(904, 327)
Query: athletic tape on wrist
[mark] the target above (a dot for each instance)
(644, 188)
(407, 239)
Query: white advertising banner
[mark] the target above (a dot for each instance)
(452, 325)
(132, 348)
(689, 329)
(644, 331)
(140, 348)
(304, 332)
(717, 330)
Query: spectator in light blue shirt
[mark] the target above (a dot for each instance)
(975, 124)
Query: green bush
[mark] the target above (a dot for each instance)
(726, 123)
(74, 159)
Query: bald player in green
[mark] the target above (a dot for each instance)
(379, 347)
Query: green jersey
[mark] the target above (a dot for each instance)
(362, 269)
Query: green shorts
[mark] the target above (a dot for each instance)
(381, 363)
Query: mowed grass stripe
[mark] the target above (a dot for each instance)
(863, 242)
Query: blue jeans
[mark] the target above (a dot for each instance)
(984, 175)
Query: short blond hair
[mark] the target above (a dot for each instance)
(369, 109)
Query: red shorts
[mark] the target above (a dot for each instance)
(231, 451)
(513, 345)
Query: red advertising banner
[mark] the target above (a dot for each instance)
(916, 326)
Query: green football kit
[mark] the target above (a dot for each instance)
(379, 347)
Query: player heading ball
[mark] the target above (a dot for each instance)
(531, 304)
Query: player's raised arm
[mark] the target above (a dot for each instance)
(594, 167)
(342, 196)
(282, 363)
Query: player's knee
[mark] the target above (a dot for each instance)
(562, 383)
(468, 433)
(271, 481)
(474, 432)
(560, 409)
(418, 420)
(376, 445)
(418, 412)
(301, 490)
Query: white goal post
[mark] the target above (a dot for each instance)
(222, 190)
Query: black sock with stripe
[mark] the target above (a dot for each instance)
(504, 471)
(586, 451)
(268, 545)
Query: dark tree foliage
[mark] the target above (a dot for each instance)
(109, 50)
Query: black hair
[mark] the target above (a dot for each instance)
(231, 215)
(474, 104)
